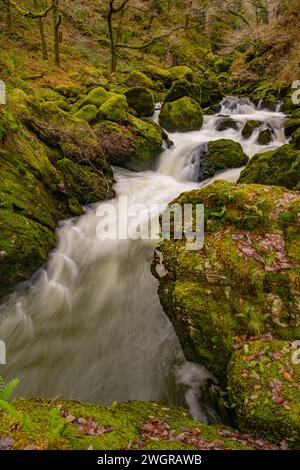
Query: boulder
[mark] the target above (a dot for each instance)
(87, 113)
(296, 139)
(249, 128)
(97, 96)
(263, 384)
(226, 123)
(264, 137)
(217, 156)
(181, 72)
(280, 167)
(136, 78)
(244, 281)
(182, 115)
(181, 88)
(115, 109)
(290, 126)
(141, 100)
(134, 146)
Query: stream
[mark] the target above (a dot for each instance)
(90, 326)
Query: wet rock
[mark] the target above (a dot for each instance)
(182, 115)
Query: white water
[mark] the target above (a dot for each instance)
(91, 327)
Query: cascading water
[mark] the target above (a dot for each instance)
(91, 326)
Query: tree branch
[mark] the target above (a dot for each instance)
(157, 38)
(29, 13)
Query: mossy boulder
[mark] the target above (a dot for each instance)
(58, 129)
(225, 123)
(157, 73)
(97, 96)
(8, 124)
(134, 146)
(181, 88)
(62, 104)
(39, 187)
(263, 384)
(249, 128)
(264, 137)
(56, 424)
(47, 94)
(219, 155)
(141, 100)
(181, 72)
(87, 113)
(279, 167)
(137, 78)
(115, 108)
(296, 139)
(68, 91)
(182, 115)
(90, 76)
(245, 279)
(291, 125)
(211, 91)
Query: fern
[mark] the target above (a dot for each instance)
(7, 389)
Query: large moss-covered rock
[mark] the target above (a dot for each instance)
(264, 137)
(279, 167)
(87, 113)
(219, 155)
(291, 125)
(115, 108)
(181, 72)
(58, 129)
(134, 146)
(39, 187)
(296, 139)
(225, 123)
(136, 78)
(141, 100)
(246, 278)
(181, 88)
(263, 383)
(97, 96)
(157, 73)
(182, 115)
(249, 128)
(42, 424)
(211, 91)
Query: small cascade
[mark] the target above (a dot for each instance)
(234, 105)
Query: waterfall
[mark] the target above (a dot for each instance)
(90, 326)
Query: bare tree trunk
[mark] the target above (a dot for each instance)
(42, 34)
(56, 25)
(112, 41)
(8, 17)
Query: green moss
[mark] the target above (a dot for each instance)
(296, 139)
(181, 72)
(265, 137)
(245, 279)
(221, 154)
(68, 91)
(87, 113)
(263, 384)
(47, 94)
(141, 100)
(49, 430)
(136, 78)
(62, 105)
(8, 124)
(279, 167)
(182, 115)
(249, 128)
(134, 146)
(226, 123)
(24, 246)
(115, 108)
(97, 96)
(181, 88)
(211, 92)
(291, 125)
(157, 73)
